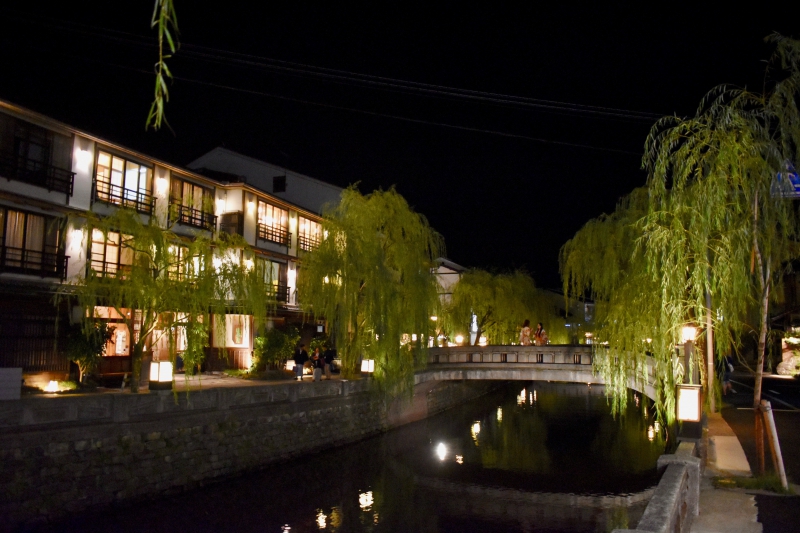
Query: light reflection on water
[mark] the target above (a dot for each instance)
(531, 457)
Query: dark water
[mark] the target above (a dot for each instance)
(530, 457)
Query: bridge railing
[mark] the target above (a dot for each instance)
(569, 354)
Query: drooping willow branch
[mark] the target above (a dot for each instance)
(166, 22)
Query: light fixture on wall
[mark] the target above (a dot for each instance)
(161, 185)
(368, 366)
(160, 375)
(84, 159)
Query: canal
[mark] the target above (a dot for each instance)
(529, 457)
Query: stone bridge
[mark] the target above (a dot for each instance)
(567, 363)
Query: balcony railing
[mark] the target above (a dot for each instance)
(274, 234)
(15, 167)
(280, 292)
(232, 223)
(110, 269)
(193, 217)
(307, 242)
(116, 195)
(51, 263)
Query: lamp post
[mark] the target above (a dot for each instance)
(689, 400)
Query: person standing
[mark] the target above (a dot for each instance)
(328, 356)
(726, 364)
(317, 363)
(300, 358)
(540, 335)
(525, 333)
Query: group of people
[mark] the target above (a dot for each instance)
(537, 337)
(320, 361)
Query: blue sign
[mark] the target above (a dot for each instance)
(787, 183)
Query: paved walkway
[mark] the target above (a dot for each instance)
(725, 510)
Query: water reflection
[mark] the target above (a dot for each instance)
(534, 456)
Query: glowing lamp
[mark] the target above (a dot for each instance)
(459, 339)
(290, 364)
(161, 375)
(84, 159)
(688, 334)
(52, 386)
(368, 366)
(689, 403)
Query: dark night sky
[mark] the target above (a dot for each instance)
(501, 201)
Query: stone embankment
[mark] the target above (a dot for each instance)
(61, 455)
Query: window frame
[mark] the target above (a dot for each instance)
(49, 260)
(106, 191)
(308, 240)
(184, 211)
(119, 267)
(275, 232)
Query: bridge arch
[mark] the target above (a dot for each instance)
(564, 363)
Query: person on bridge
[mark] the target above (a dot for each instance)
(540, 335)
(525, 333)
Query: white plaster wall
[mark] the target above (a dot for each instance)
(83, 166)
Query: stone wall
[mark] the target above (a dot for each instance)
(64, 454)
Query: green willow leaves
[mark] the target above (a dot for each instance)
(371, 278)
(713, 225)
(166, 22)
(162, 283)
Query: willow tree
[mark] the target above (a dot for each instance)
(606, 261)
(720, 228)
(161, 283)
(499, 303)
(371, 278)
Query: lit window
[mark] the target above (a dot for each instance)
(111, 253)
(309, 234)
(273, 224)
(124, 183)
(192, 204)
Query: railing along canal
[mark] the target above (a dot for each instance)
(580, 354)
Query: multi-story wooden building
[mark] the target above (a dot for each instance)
(51, 173)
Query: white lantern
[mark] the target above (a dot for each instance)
(161, 375)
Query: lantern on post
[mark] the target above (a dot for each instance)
(689, 405)
(367, 366)
(161, 375)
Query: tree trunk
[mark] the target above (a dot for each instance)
(710, 356)
(762, 345)
(137, 351)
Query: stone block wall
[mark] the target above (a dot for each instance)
(62, 455)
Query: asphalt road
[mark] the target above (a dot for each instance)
(777, 514)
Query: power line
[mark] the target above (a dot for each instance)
(378, 114)
(209, 54)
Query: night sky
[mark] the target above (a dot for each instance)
(506, 182)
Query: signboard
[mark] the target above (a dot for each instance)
(787, 183)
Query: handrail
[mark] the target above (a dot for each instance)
(117, 195)
(549, 354)
(46, 264)
(193, 217)
(24, 169)
(307, 242)
(274, 234)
